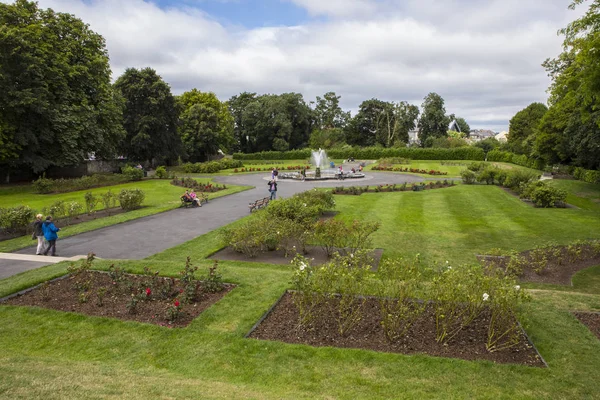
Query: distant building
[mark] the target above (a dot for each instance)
(480, 134)
(413, 137)
(454, 126)
(502, 136)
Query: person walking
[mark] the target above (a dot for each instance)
(273, 189)
(303, 174)
(38, 233)
(50, 234)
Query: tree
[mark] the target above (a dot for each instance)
(206, 124)
(522, 128)
(56, 102)
(150, 117)
(237, 105)
(362, 129)
(488, 144)
(395, 122)
(570, 131)
(326, 138)
(277, 122)
(328, 113)
(434, 122)
(463, 125)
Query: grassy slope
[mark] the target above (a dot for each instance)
(160, 196)
(581, 194)
(48, 354)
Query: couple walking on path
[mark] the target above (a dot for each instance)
(45, 232)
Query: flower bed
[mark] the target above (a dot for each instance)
(547, 264)
(469, 312)
(406, 169)
(591, 320)
(145, 298)
(258, 169)
(191, 183)
(281, 324)
(358, 190)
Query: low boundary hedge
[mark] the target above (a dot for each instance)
(373, 153)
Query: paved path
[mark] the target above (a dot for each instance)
(146, 236)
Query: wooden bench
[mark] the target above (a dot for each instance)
(258, 204)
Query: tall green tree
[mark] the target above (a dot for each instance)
(206, 124)
(523, 128)
(150, 117)
(395, 122)
(463, 125)
(328, 113)
(434, 121)
(56, 101)
(237, 105)
(277, 122)
(570, 131)
(363, 128)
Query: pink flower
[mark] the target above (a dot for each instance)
(176, 303)
(148, 292)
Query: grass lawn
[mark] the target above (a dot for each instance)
(453, 170)
(55, 355)
(160, 196)
(581, 194)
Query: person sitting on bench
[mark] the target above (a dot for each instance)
(195, 199)
(186, 198)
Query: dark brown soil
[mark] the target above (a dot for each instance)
(282, 325)
(63, 295)
(61, 223)
(557, 272)
(591, 320)
(315, 254)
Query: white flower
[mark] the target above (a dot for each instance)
(517, 287)
(446, 261)
(302, 266)
(486, 297)
(449, 267)
(304, 204)
(278, 232)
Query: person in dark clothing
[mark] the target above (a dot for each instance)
(38, 233)
(50, 234)
(273, 189)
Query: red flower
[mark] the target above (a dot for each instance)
(176, 303)
(180, 290)
(148, 292)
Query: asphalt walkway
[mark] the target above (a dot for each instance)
(146, 236)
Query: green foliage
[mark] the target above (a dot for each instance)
(547, 196)
(399, 287)
(489, 174)
(58, 209)
(469, 177)
(522, 160)
(434, 121)
(374, 153)
(464, 126)
(488, 144)
(516, 179)
(249, 238)
(56, 102)
(131, 199)
(16, 219)
(206, 125)
(91, 201)
(326, 138)
(210, 167)
(73, 209)
(523, 126)
(150, 117)
(367, 125)
(213, 282)
(161, 172)
(109, 200)
(585, 175)
(48, 185)
(328, 113)
(131, 173)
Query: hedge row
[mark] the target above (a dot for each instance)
(586, 175)
(518, 159)
(373, 153)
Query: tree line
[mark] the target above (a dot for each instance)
(58, 106)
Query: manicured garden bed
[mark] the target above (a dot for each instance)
(550, 264)
(143, 298)
(282, 324)
(591, 320)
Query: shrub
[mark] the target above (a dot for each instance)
(161, 172)
(327, 234)
(130, 199)
(58, 209)
(43, 185)
(477, 166)
(488, 175)
(16, 219)
(132, 173)
(468, 176)
(585, 175)
(108, 200)
(516, 178)
(250, 237)
(546, 196)
(90, 202)
(73, 209)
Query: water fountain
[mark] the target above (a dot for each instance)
(322, 169)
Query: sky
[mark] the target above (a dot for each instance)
(482, 56)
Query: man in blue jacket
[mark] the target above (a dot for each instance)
(50, 234)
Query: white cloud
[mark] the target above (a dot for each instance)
(483, 58)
